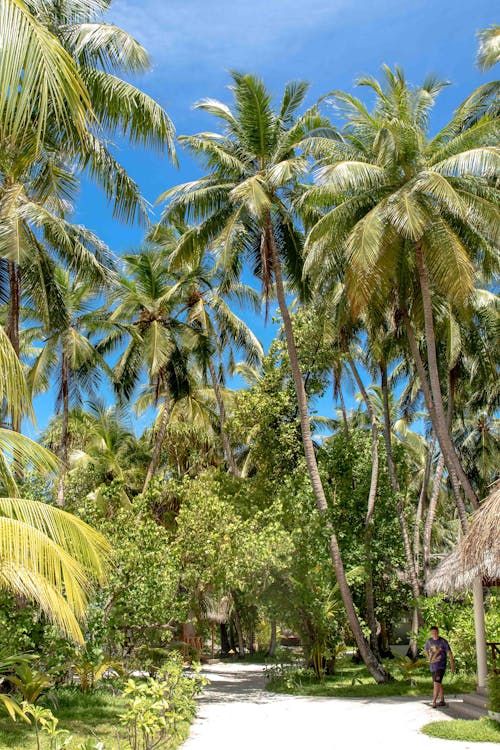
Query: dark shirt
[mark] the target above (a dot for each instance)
(437, 650)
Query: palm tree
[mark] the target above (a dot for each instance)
(66, 350)
(66, 52)
(243, 205)
(403, 207)
(207, 294)
(488, 53)
(35, 236)
(15, 449)
(145, 316)
(48, 556)
(39, 81)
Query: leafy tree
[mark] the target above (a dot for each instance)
(402, 207)
(68, 353)
(244, 207)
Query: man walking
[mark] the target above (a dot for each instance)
(437, 650)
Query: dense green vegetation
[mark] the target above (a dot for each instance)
(239, 513)
(354, 680)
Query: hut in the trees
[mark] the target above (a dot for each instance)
(474, 563)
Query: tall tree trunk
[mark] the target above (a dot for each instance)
(374, 666)
(237, 624)
(160, 437)
(12, 322)
(273, 639)
(372, 495)
(419, 515)
(338, 391)
(64, 428)
(431, 514)
(223, 421)
(435, 422)
(414, 583)
(438, 414)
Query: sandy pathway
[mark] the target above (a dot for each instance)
(236, 713)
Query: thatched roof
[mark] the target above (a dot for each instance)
(477, 554)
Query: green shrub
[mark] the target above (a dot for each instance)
(159, 710)
(494, 692)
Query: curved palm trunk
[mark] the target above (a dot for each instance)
(430, 408)
(438, 414)
(223, 420)
(372, 495)
(160, 437)
(415, 587)
(374, 666)
(64, 428)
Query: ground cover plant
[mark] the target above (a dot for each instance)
(464, 730)
(353, 680)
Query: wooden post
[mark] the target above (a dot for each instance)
(481, 657)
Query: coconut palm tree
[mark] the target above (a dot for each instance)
(145, 320)
(488, 53)
(15, 449)
(243, 208)
(208, 294)
(413, 216)
(48, 556)
(66, 352)
(39, 81)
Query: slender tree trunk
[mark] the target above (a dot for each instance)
(440, 426)
(372, 495)
(374, 666)
(223, 421)
(12, 322)
(273, 639)
(237, 624)
(431, 514)
(395, 484)
(344, 411)
(64, 428)
(159, 439)
(422, 503)
(415, 587)
(444, 441)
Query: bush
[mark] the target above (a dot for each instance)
(494, 692)
(159, 710)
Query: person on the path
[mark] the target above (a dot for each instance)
(437, 650)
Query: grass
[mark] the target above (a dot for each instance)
(91, 715)
(354, 681)
(465, 730)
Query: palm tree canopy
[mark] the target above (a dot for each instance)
(252, 163)
(488, 53)
(388, 185)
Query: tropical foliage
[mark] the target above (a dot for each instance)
(192, 492)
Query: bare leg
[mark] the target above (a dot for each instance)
(436, 692)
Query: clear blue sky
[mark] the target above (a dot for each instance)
(193, 43)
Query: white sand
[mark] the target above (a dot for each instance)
(237, 713)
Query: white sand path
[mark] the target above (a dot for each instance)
(237, 713)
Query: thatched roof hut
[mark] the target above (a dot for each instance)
(477, 554)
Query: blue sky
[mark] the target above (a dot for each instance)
(193, 43)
